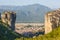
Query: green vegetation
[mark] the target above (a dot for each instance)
(54, 35)
(5, 33)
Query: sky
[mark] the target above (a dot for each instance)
(50, 3)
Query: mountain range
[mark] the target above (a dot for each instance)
(28, 14)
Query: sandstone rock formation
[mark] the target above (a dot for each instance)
(52, 20)
(9, 18)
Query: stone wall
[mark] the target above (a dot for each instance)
(52, 20)
(9, 18)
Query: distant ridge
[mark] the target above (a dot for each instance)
(29, 13)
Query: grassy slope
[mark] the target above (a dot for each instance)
(54, 35)
(6, 34)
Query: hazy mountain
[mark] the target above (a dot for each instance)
(29, 13)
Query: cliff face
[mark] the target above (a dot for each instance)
(52, 20)
(9, 18)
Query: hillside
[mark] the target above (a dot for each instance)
(6, 34)
(54, 35)
(29, 13)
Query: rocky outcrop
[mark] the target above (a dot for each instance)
(52, 20)
(9, 18)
